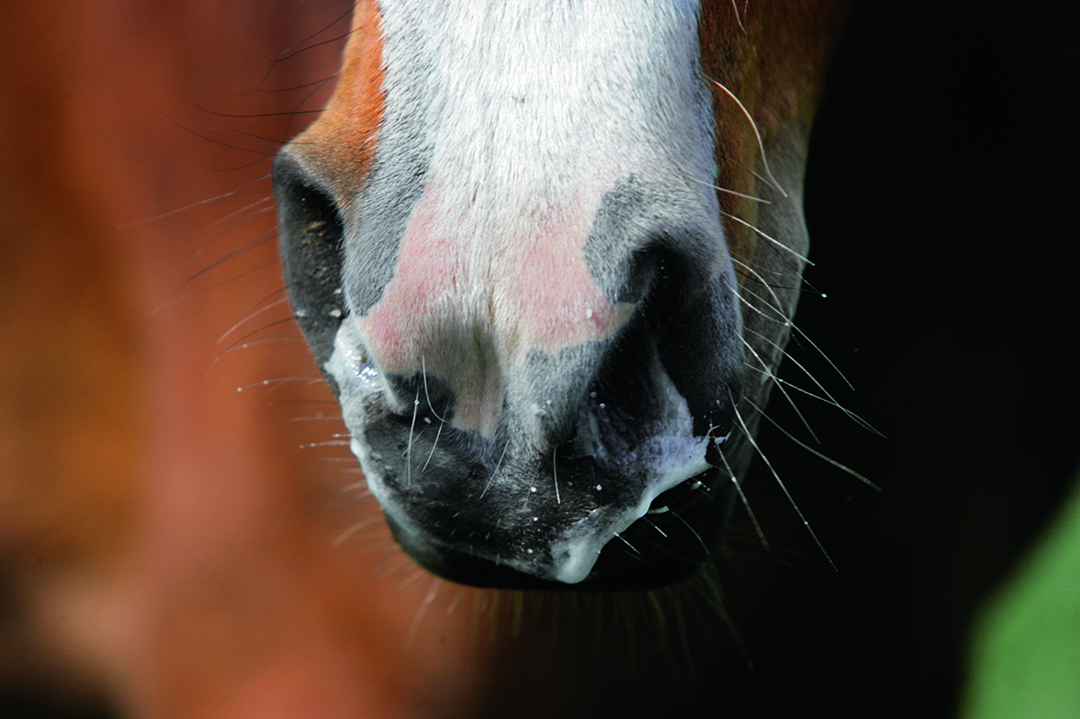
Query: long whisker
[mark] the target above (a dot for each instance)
(823, 354)
(761, 145)
(780, 482)
(429, 598)
(725, 190)
(363, 524)
(408, 448)
(423, 373)
(832, 403)
(771, 239)
(746, 503)
(813, 451)
(434, 444)
(252, 316)
(693, 531)
(813, 379)
(781, 316)
(180, 210)
(495, 471)
(555, 474)
(772, 375)
(735, 7)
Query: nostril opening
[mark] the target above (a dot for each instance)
(661, 282)
(687, 324)
(310, 232)
(661, 279)
(306, 212)
(641, 274)
(429, 394)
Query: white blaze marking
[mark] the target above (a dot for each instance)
(532, 111)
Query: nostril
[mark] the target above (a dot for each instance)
(699, 343)
(686, 326)
(642, 272)
(310, 232)
(429, 394)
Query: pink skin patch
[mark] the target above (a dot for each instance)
(474, 291)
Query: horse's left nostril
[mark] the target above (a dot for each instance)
(310, 231)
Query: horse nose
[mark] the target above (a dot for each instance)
(521, 324)
(512, 314)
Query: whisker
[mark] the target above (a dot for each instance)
(260, 239)
(780, 317)
(761, 145)
(772, 375)
(242, 341)
(429, 598)
(273, 144)
(408, 448)
(423, 373)
(780, 482)
(250, 317)
(209, 288)
(694, 532)
(434, 444)
(494, 472)
(326, 443)
(816, 453)
(771, 239)
(363, 524)
(823, 355)
(746, 503)
(261, 154)
(832, 400)
(274, 383)
(735, 7)
(253, 343)
(216, 198)
(293, 88)
(832, 403)
(627, 543)
(295, 49)
(360, 485)
(555, 474)
(718, 188)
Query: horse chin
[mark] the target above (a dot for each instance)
(489, 517)
(688, 519)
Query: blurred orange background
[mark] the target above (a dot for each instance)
(167, 542)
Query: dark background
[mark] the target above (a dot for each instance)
(941, 200)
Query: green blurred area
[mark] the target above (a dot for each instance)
(1025, 653)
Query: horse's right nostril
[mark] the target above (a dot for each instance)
(310, 231)
(678, 275)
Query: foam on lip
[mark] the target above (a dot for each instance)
(673, 458)
(357, 380)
